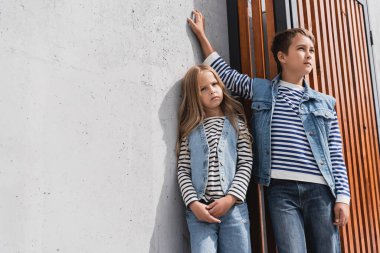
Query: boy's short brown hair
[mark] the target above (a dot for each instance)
(282, 40)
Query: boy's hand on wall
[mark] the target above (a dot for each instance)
(342, 214)
(201, 212)
(221, 206)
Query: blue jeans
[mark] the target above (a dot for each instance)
(302, 217)
(231, 235)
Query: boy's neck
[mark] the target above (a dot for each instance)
(292, 78)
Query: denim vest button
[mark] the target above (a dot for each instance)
(321, 163)
(311, 133)
(221, 164)
(267, 152)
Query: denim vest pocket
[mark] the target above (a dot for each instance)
(324, 117)
(260, 110)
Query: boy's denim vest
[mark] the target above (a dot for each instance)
(316, 112)
(199, 157)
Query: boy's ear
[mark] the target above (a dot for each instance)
(281, 57)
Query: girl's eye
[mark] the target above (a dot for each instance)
(301, 48)
(312, 51)
(203, 89)
(214, 84)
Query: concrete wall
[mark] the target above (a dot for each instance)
(89, 91)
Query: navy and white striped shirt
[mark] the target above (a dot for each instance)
(292, 157)
(291, 153)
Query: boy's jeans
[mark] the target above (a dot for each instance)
(302, 217)
(232, 235)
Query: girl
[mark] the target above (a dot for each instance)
(214, 164)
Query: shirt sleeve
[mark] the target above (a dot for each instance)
(236, 82)
(184, 173)
(242, 177)
(339, 171)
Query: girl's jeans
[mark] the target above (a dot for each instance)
(302, 217)
(231, 235)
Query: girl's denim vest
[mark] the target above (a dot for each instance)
(199, 157)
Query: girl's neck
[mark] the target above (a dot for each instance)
(217, 112)
(291, 78)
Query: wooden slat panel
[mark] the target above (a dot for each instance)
(372, 164)
(374, 141)
(353, 171)
(365, 237)
(367, 149)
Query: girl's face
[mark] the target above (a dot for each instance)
(210, 93)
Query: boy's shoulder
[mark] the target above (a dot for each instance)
(330, 100)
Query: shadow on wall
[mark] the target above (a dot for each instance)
(170, 230)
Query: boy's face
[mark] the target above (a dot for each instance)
(300, 57)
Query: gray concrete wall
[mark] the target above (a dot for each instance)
(89, 92)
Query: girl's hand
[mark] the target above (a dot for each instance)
(198, 24)
(202, 213)
(342, 214)
(221, 206)
(198, 27)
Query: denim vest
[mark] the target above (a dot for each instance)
(316, 112)
(199, 154)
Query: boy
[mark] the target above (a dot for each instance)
(297, 144)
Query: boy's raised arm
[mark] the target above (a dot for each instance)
(236, 82)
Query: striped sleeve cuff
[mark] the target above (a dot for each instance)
(211, 58)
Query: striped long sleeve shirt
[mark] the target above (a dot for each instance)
(213, 128)
(292, 158)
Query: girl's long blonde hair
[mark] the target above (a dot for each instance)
(191, 112)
